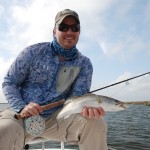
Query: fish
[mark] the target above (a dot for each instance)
(75, 104)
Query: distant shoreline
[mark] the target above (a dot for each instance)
(146, 103)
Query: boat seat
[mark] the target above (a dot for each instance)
(40, 140)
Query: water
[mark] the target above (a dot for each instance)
(127, 130)
(130, 129)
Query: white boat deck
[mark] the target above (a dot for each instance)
(52, 149)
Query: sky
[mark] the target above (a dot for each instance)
(115, 35)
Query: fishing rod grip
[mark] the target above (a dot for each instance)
(45, 107)
(52, 105)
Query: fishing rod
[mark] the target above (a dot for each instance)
(119, 82)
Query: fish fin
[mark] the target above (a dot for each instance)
(65, 117)
(67, 101)
(71, 99)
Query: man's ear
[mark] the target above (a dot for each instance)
(54, 31)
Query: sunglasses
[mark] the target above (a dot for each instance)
(66, 27)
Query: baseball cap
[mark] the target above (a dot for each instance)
(63, 14)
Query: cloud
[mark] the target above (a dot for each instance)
(125, 31)
(108, 23)
(1, 10)
(147, 12)
(3, 69)
(125, 48)
(38, 20)
(32, 21)
(111, 28)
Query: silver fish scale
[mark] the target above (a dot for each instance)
(76, 104)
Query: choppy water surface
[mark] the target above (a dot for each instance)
(127, 130)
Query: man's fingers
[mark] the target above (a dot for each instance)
(101, 111)
(97, 114)
(85, 112)
(92, 112)
(31, 109)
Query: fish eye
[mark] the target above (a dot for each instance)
(99, 101)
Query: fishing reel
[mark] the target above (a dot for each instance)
(35, 125)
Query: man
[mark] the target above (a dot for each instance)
(49, 72)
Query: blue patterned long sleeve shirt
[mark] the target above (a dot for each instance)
(37, 75)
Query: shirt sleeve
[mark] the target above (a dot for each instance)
(82, 83)
(15, 76)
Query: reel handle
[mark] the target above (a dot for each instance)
(45, 107)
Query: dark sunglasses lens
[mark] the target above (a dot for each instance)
(75, 28)
(65, 27)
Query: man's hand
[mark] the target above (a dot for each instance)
(32, 109)
(93, 112)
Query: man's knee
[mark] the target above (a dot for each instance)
(7, 114)
(100, 124)
(97, 124)
(8, 124)
(12, 132)
(95, 131)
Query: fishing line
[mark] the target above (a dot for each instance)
(126, 80)
(127, 83)
(124, 86)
